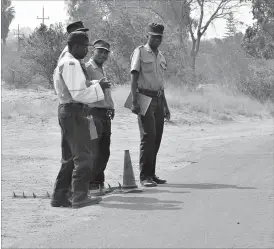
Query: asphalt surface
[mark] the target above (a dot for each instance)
(225, 200)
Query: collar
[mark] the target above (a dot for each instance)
(68, 54)
(148, 48)
(93, 64)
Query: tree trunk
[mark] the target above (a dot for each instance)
(193, 54)
(195, 50)
(193, 60)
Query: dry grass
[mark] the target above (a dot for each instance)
(187, 107)
(30, 104)
(195, 107)
(217, 103)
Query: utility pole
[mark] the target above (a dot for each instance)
(18, 38)
(43, 17)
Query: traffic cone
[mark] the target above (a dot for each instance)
(128, 177)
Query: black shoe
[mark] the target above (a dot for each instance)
(158, 180)
(93, 186)
(148, 183)
(61, 203)
(88, 201)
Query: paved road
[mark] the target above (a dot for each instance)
(224, 201)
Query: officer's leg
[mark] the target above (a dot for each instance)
(96, 147)
(77, 128)
(147, 146)
(62, 185)
(159, 123)
(104, 151)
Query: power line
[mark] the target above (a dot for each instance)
(18, 38)
(43, 18)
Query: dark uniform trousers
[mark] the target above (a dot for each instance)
(101, 145)
(77, 157)
(151, 129)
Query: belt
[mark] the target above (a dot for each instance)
(152, 93)
(101, 112)
(78, 104)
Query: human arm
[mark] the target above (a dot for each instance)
(166, 109)
(75, 81)
(135, 68)
(134, 86)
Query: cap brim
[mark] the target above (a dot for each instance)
(153, 33)
(103, 48)
(82, 29)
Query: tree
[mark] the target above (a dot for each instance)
(231, 25)
(43, 47)
(7, 15)
(124, 24)
(198, 25)
(259, 38)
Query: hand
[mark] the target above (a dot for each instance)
(104, 83)
(112, 114)
(166, 114)
(136, 108)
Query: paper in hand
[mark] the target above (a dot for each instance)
(92, 128)
(143, 100)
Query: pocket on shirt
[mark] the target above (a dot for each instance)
(147, 65)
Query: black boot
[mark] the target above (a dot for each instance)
(81, 199)
(60, 199)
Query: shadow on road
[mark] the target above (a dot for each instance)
(156, 191)
(140, 203)
(203, 186)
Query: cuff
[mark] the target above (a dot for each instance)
(94, 82)
(99, 91)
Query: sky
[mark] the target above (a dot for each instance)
(27, 12)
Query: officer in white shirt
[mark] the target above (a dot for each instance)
(75, 26)
(74, 91)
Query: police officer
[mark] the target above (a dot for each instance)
(75, 26)
(67, 157)
(102, 112)
(74, 90)
(148, 65)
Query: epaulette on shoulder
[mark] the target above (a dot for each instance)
(161, 54)
(141, 46)
(61, 68)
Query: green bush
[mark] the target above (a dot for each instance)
(260, 81)
(16, 72)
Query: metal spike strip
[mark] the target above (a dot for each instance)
(24, 196)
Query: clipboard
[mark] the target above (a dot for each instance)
(142, 99)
